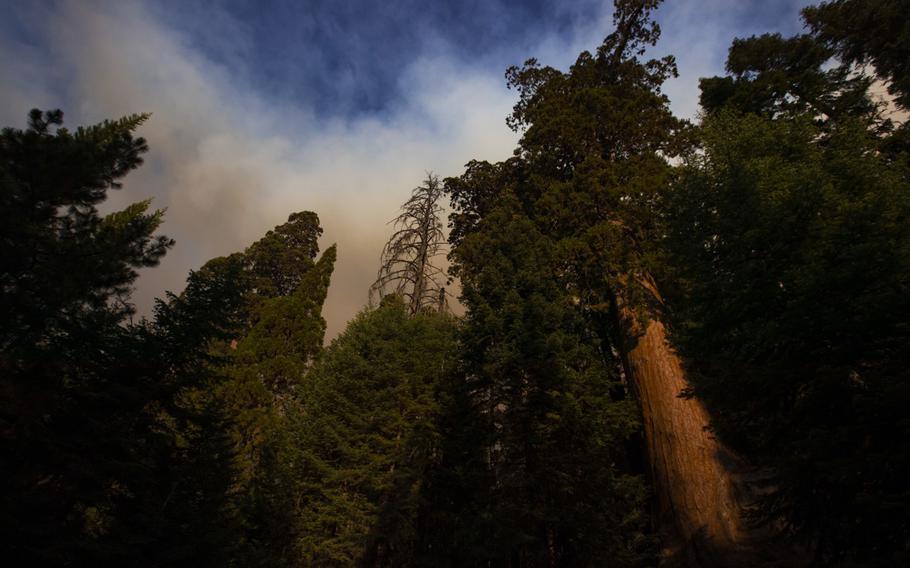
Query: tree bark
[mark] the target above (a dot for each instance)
(700, 499)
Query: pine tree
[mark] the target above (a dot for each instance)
(80, 437)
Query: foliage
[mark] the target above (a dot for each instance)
(779, 77)
(261, 384)
(278, 261)
(791, 254)
(867, 32)
(543, 244)
(366, 434)
(73, 410)
(222, 432)
(549, 395)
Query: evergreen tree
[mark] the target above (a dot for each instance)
(262, 387)
(864, 32)
(195, 521)
(80, 434)
(548, 393)
(366, 436)
(786, 77)
(589, 171)
(789, 242)
(278, 261)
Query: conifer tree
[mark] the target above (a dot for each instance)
(79, 438)
(549, 396)
(408, 259)
(264, 382)
(366, 433)
(589, 169)
(789, 253)
(864, 32)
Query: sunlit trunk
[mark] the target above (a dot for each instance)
(699, 503)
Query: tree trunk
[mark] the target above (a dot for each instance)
(700, 500)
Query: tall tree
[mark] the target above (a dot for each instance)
(78, 435)
(263, 385)
(788, 239)
(366, 436)
(593, 153)
(557, 420)
(189, 518)
(408, 259)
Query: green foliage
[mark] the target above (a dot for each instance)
(79, 439)
(261, 387)
(366, 433)
(548, 393)
(780, 77)
(60, 259)
(595, 151)
(543, 244)
(278, 261)
(791, 252)
(223, 433)
(867, 31)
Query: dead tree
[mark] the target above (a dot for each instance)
(408, 266)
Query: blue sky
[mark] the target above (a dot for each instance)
(345, 57)
(264, 108)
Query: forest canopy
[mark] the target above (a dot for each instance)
(683, 343)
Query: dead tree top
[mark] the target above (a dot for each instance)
(408, 261)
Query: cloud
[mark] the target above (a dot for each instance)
(232, 155)
(229, 164)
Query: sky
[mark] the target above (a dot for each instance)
(262, 108)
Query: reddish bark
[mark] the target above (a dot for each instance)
(700, 496)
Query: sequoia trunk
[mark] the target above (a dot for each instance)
(700, 500)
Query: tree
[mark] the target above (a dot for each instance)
(407, 259)
(779, 78)
(789, 251)
(594, 149)
(555, 415)
(366, 436)
(189, 518)
(80, 435)
(873, 35)
(278, 261)
(864, 32)
(61, 260)
(263, 386)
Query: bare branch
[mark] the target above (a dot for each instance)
(407, 262)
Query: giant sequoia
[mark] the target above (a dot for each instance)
(683, 344)
(590, 166)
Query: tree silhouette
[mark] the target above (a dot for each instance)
(408, 268)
